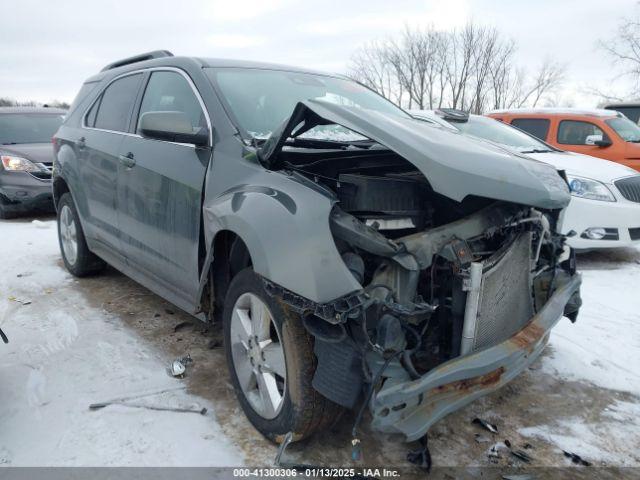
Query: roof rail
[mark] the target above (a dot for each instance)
(138, 58)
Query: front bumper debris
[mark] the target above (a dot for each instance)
(412, 407)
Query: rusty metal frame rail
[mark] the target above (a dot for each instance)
(412, 407)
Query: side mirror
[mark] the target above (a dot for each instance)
(597, 140)
(603, 143)
(172, 127)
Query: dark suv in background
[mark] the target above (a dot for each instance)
(356, 256)
(630, 109)
(26, 158)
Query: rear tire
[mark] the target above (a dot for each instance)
(77, 257)
(295, 406)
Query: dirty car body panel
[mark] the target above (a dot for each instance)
(401, 248)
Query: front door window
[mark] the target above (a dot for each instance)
(574, 132)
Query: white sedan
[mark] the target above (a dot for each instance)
(605, 207)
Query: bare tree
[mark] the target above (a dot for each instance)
(416, 61)
(59, 104)
(370, 66)
(549, 76)
(471, 69)
(9, 102)
(624, 48)
(506, 80)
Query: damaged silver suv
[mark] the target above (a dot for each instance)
(356, 257)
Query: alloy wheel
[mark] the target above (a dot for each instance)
(258, 355)
(68, 234)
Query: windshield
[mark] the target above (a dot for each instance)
(628, 131)
(28, 127)
(498, 132)
(261, 100)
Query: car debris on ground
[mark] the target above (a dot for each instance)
(575, 458)
(201, 411)
(179, 365)
(19, 300)
(130, 401)
(177, 368)
(486, 425)
(521, 455)
(482, 438)
(523, 476)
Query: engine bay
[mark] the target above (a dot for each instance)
(414, 252)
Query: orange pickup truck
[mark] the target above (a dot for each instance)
(600, 133)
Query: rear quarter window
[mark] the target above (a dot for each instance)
(538, 127)
(84, 92)
(115, 105)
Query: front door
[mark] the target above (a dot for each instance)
(160, 192)
(581, 137)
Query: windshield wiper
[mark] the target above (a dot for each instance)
(324, 143)
(536, 150)
(9, 143)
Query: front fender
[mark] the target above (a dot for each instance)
(285, 226)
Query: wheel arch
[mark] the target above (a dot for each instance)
(227, 256)
(60, 187)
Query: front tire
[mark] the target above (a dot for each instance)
(77, 257)
(271, 362)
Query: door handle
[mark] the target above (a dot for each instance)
(81, 143)
(127, 160)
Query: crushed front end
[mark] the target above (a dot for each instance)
(447, 314)
(459, 290)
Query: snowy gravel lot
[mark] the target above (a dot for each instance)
(74, 342)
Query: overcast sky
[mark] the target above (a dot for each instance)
(48, 48)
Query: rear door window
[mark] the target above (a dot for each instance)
(170, 92)
(574, 132)
(538, 127)
(114, 107)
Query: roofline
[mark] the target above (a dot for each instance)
(199, 62)
(595, 112)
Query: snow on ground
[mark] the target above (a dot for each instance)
(66, 351)
(593, 439)
(65, 354)
(603, 347)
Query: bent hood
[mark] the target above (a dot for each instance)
(456, 166)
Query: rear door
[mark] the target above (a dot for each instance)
(538, 127)
(160, 191)
(105, 126)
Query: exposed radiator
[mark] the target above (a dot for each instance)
(505, 303)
